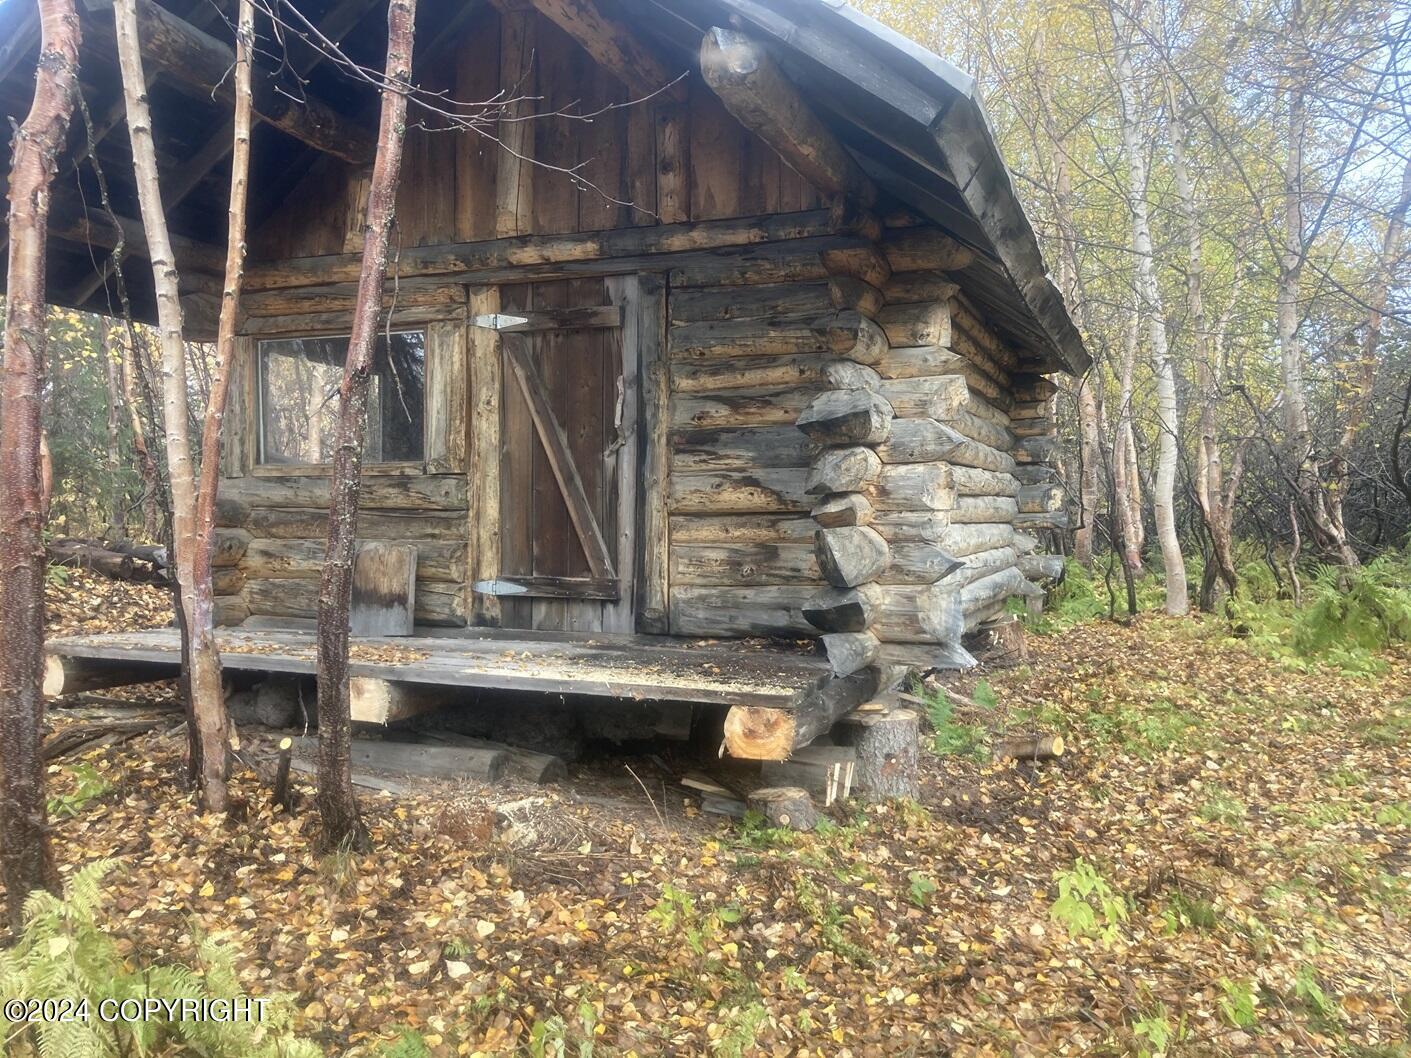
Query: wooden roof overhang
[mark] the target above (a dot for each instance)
(913, 124)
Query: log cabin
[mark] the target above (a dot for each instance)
(707, 320)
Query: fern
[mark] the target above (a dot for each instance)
(63, 953)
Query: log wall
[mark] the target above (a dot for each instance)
(852, 454)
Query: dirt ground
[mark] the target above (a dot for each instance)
(1220, 865)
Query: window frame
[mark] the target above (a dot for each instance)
(260, 468)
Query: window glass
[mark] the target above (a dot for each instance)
(299, 379)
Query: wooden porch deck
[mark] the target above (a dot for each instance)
(394, 677)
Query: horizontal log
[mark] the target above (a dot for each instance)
(66, 675)
(406, 758)
(963, 540)
(303, 559)
(925, 360)
(844, 609)
(1042, 520)
(926, 657)
(204, 62)
(1025, 543)
(772, 610)
(230, 610)
(436, 604)
(846, 334)
(797, 528)
(911, 527)
(966, 319)
(913, 487)
(929, 441)
(980, 597)
(1033, 427)
(228, 547)
(783, 262)
(980, 429)
(865, 262)
(1035, 450)
(850, 651)
(906, 287)
(1032, 388)
(742, 448)
(773, 734)
(739, 408)
(342, 298)
(803, 371)
(849, 292)
(744, 563)
(847, 508)
(971, 509)
(311, 523)
(924, 323)
(929, 614)
(546, 256)
(1035, 474)
(406, 492)
(924, 249)
(754, 302)
(941, 397)
(972, 481)
(984, 564)
(843, 374)
(1040, 499)
(851, 555)
(1041, 568)
(745, 447)
(849, 469)
(738, 492)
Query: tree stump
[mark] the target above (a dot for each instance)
(1000, 642)
(785, 806)
(887, 745)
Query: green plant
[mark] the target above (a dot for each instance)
(62, 954)
(89, 785)
(951, 737)
(1223, 807)
(1395, 814)
(1087, 906)
(823, 909)
(1309, 992)
(1185, 911)
(742, 1027)
(408, 1044)
(920, 890)
(1156, 1032)
(676, 912)
(1238, 1003)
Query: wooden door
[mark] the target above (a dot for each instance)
(568, 447)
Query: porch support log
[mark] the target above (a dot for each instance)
(755, 90)
(204, 62)
(612, 44)
(63, 675)
(756, 733)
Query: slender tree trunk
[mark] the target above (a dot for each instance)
(1126, 481)
(206, 690)
(24, 843)
(117, 513)
(1149, 294)
(1364, 376)
(146, 464)
(175, 412)
(1209, 480)
(342, 826)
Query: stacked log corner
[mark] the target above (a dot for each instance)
(1042, 502)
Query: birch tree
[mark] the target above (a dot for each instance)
(24, 843)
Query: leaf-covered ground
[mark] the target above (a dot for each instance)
(1220, 865)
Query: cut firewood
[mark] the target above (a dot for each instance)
(367, 782)
(433, 762)
(822, 779)
(785, 806)
(1030, 747)
(523, 764)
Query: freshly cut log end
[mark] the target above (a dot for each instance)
(846, 417)
(842, 470)
(844, 609)
(851, 555)
(1030, 747)
(887, 747)
(850, 651)
(785, 806)
(844, 508)
(756, 733)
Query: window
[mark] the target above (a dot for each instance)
(299, 380)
